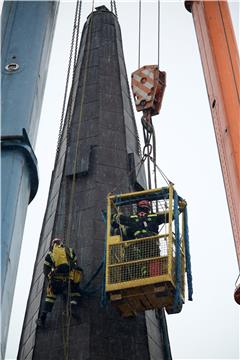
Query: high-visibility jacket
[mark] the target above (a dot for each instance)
(60, 257)
(147, 225)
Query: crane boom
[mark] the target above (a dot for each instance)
(220, 61)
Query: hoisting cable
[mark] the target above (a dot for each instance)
(73, 44)
(113, 7)
(148, 135)
(144, 102)
(147, 149)
(159, 33)
(139, 31)
(154, 157)
(154, 165)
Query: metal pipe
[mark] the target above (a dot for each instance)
(27, 34)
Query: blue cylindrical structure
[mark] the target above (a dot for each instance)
(27, 34)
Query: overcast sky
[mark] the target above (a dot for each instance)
(208, 327)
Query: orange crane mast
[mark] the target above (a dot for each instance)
(220, 61)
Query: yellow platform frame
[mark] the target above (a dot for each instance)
(132, 295)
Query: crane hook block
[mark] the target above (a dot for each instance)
(148, 85)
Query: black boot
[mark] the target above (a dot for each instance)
(74, 309)
(42, 319)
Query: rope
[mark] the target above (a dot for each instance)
(187, 253)
(65, 342)
(73, 50)
(77, 33)
(149, 135)
(70, 207)
(68, 220)
(77, 143)
(76, 28)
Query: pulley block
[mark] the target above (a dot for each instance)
(148, 85)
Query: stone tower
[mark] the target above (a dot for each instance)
(99, 153)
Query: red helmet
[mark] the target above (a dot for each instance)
(144, 204)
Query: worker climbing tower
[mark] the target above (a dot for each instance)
(99, 153)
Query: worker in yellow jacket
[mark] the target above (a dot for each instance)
(63, 275)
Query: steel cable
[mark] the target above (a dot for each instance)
(74, 31)
(139, 32)
(159, 14)
(115, 7)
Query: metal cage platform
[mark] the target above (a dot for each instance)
(141, 272)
